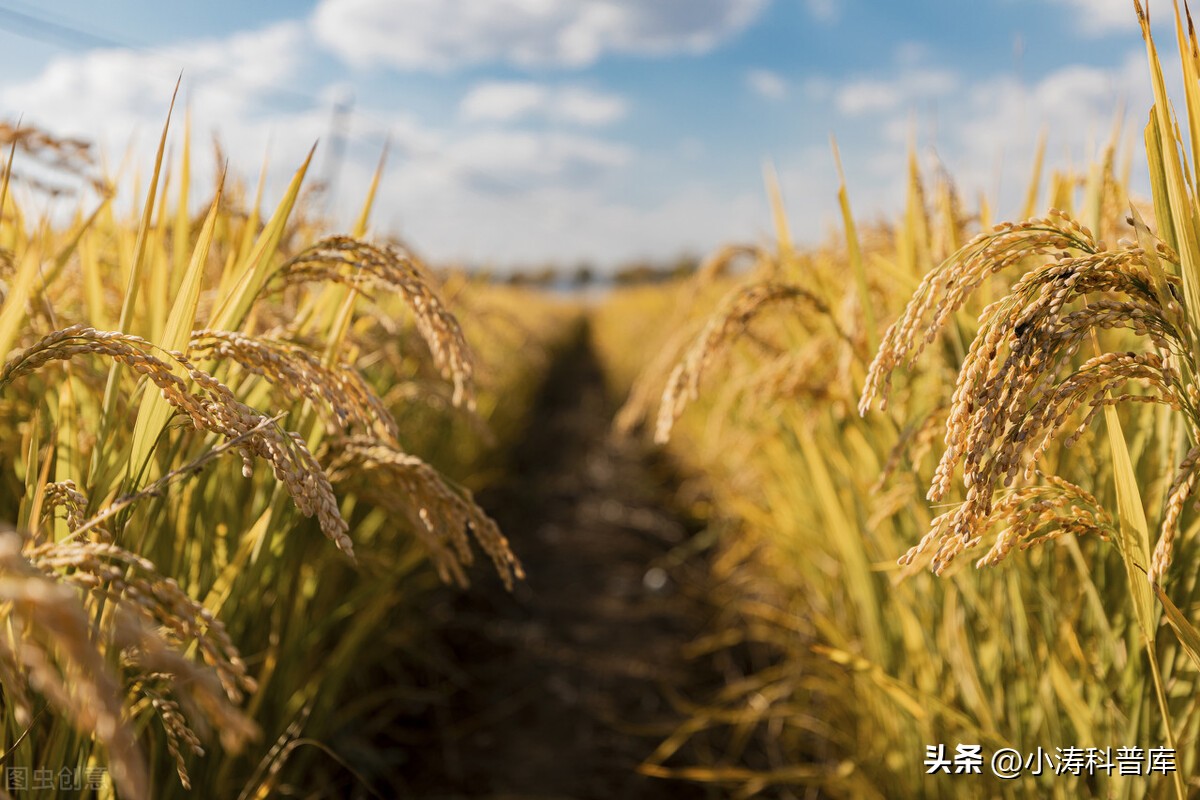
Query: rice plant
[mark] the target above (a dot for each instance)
(220, 479)
(848, 488)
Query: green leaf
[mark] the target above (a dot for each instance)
(256, 268)
(1134, 541)
(1189, 637)
(109, 472)
(177, 333)
(854, 253)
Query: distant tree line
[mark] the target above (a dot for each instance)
(585, 274)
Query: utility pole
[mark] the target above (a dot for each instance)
(339, 129)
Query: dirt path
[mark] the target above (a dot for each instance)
(560, 693)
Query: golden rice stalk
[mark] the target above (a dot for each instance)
(945, 289)
(212, 407)
(67, 155)
(179, 734)
(296, 372)
(66, 495)
(344, 260)
(1181, 488)
(1010, 399)
(646, 391)
(804, 372)
(265, 776)
(48, 646)
(915, 442)
(1005, 411)
(58, 150)
(1037, 514)
(729, 322)
(152, 622)
(442, 516)
(132, 581)
(160, 668)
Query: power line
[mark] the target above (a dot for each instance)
(31, 23)
(42, 29)
(38, 27)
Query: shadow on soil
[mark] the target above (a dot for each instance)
(559, 690)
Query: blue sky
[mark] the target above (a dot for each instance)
(536, 131)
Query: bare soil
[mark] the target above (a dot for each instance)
(561, 688)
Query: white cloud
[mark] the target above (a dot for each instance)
(564, 194)
(818, 89)
(911, 53)
(867, 95)
(442, 34)
(823, 10)
(100, 93)
(118, 100)
(587, 107)
(569, 224)
(1103, 17)
(503, 100)
(502, 181)
(1076, 104)
(766, 83)
(863, 96)
(983, 131)
(506, 162)
(508, 101)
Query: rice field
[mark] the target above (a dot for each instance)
(909, 514)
